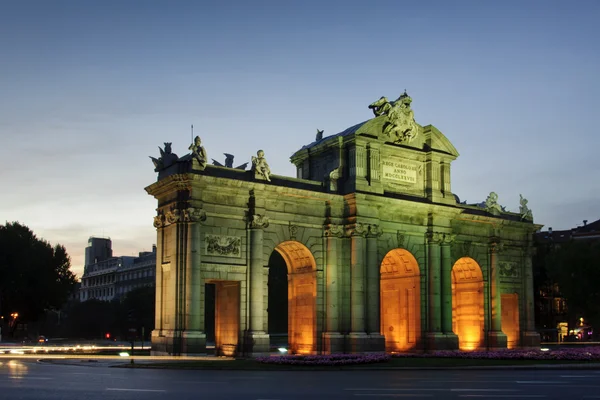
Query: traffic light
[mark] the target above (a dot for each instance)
(107, 335)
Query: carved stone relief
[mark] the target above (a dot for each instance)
(224, 246)
(508, 269)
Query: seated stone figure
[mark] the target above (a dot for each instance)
(260, 166)
(198, 152)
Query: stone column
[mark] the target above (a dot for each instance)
(373, 277)
(194, 337)
(358, 337)
(333, 340)
(434, 282)
(158, 343)
(496, 338)
(451, 339)
(529, 337)
(256, 341)
(434, 334)
(376, 339)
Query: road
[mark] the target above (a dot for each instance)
(29, 379)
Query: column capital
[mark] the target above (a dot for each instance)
(333, 230)
(434, 237)
(357, 229)
(258, 221)
(192, 214)
(448, 239)
(159, 220)
(496, 246)
(374, 231)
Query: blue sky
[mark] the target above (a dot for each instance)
(90, 89)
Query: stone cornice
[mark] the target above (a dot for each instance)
(170, 184)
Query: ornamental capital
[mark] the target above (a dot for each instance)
(434, 237)
(333, 230)
(172, 216)
(496, 246)
(448, 238)
(375, 231)
(192, 214)
(258, 221)
(159, 220)
(358, 229)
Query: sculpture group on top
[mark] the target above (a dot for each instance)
(400, 125)
(166, 159)
(260, 166)
(492, 206)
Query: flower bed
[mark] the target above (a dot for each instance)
(577, 354)
(325, 360)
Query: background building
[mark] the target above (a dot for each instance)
(107, 278)
(551, 306)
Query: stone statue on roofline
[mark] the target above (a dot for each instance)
(261, 167)
(166, 159)
(400, 125)
(491, 204)
(198, 153)
(524, 210)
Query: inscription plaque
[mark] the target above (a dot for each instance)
(400, 171)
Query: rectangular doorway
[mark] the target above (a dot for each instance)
(227, 317)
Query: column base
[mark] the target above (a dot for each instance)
(193, 343)
(333, 342)
(376, 343)
(441, 341)
(356, 342)
(178, 343)
(256, 344)
(496, 340)
(363, 343)
(530, 339)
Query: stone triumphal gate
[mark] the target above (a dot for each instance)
(379, 254)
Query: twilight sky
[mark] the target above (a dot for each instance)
(90, 89)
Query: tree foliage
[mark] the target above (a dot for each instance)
(575, 267)
(34, 275)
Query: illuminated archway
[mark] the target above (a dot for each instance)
(510, 318)
(467, 303)
(400, 301)
(302, 296)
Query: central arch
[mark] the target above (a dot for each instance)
(400, 301)
(467, 303)
(302, 297)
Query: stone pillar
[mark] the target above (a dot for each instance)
(496, 338)
(256, 341)
(157, 338)
(376, 339)
(194, 337)
(451, 339)
(529, 337)
(357, 338)
(434, 331)
(333, 340)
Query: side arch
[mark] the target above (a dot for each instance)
(400, 301)
(467, 303)
(302, 296)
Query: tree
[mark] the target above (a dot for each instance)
(575, 267)
(34, 275)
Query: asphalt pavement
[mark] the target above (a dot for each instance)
(29, 379)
